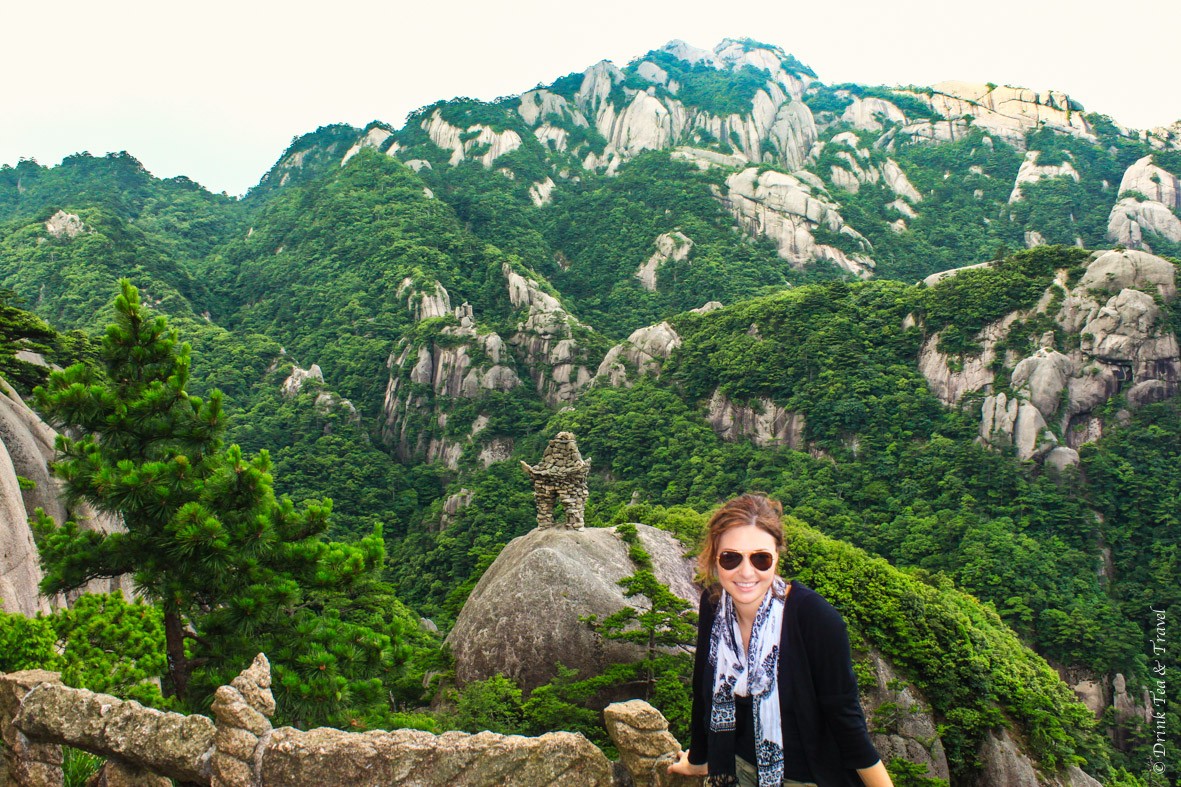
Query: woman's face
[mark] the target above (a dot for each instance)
(746, 584)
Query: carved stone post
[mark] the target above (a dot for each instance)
(242, 714)
(560, 476)
(28, 764)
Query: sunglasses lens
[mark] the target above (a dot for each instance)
(762, 560)
(730, 560)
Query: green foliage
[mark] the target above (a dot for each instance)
(234, 569)
(704, 86)
(956, 650)
(961, 305)
(78, 766)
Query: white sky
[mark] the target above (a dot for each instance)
(215, 90)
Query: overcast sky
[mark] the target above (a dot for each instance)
(215, 90)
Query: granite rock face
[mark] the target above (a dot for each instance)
(1150, 203)
(786, 209)
(645, 350)
(763, 422)
(559, 576)
(1124, 345)
(426, 379)
(26, 448)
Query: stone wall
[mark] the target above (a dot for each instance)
(239, 748)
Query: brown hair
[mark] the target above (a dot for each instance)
(749, 509)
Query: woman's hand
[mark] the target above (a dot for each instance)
(686, 768)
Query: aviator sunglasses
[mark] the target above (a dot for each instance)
(730, 560)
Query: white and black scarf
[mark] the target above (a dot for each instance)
(733, 677)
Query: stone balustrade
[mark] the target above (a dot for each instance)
(238, 747)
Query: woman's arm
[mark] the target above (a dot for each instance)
(873, 776)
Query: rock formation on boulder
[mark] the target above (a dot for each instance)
(560, 477)
(526, 613)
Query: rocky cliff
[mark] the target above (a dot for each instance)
(26, 448)
(1114, 340)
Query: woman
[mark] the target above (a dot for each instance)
(793, 717)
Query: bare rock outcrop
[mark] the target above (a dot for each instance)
(64, 225)
(763, 422)
(560, 576)
(872, 114)
(426, 378)
(1047, 409)
(1005, 112)
(1150, 201)
(641, 355)
(786, 209)
(670, 247)
(26, 449)
(545, 340)
(1032, 172)
(778, 127)
(463, 142)
(901, 721)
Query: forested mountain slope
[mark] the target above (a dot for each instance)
(708, 265)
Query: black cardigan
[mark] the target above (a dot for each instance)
(817, 670)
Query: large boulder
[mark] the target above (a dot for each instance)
(526, 613)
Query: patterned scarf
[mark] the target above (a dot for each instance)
(732, 677)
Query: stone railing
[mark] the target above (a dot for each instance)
(238, 747)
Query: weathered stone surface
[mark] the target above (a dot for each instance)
(1113, 271)
(235, 743)
(904, 718)
(971, 373)
(670, 247)
(641, 735)
(227, 771)
(559, 575)
(171, 744)
(642, 354)
(1061, 458)
(764, 422)
(785, 208)
(231, 709)
(1004, 763)
(27, 764)
(420, 759)
(544, 340)
(1044, 375)
(26, 448)
(298, 377)
(65, 225)
(462, 142)
(1032, 172)
(1015, 422)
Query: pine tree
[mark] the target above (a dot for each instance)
(233, 569)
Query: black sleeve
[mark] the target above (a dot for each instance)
(702, 691)
(827, 642)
